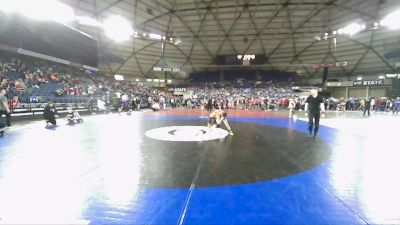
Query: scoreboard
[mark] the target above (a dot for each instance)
(257, 59)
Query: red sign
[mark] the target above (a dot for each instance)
(316, 66)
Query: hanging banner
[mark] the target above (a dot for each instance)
(177, 89)
(368, 82)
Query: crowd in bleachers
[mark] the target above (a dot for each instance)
(30, 80)
(37, 81)
(248, 96)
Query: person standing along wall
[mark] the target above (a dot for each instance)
(4, 108)
(367, 106)
(396, 106)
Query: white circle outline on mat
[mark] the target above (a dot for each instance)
(186, 133)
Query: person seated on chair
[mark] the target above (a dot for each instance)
(155, 106)
(77, 116)
(73, 115)
(216, 118)
(70, 114)
(49, 114)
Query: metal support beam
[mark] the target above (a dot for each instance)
(393, 70)
(98, 12)
(259, 32)
(317, 70)
(151, 68)
(230, 29)
(197, 34)
(99, 36)
(314, 12)
(134, 43)
(133, 53)
(244, 4)
(193, 33)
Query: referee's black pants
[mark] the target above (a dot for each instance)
(8, 117)
(313, 121)
(51, 120)
(365, 110)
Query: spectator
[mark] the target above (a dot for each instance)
(4, 108)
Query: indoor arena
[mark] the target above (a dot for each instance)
(158, 112)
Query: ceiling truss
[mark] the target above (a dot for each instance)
(282, 30)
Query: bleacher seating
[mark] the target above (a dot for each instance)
(13, 75)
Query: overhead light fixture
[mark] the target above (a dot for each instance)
(352, 29)
(11, 6)
(51, 10)
(149, 80)
(156, 80)
(155, 36)
(381, 77)
(177, 42)
(169, 81)
(392, 20)
(88, 21)
(137, 80)
(118, 28)
(62, 13)
(359, 78)
(118, 77)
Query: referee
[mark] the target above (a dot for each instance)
(367, 106)
(314, 106)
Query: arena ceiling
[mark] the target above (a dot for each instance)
(283, 30)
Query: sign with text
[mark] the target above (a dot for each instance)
(368, 82)
(166, 69)
(319, 65)
(316, 66)
(177, 89)
(393, 75)
(333, 84)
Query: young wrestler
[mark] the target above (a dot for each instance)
(216, 118)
